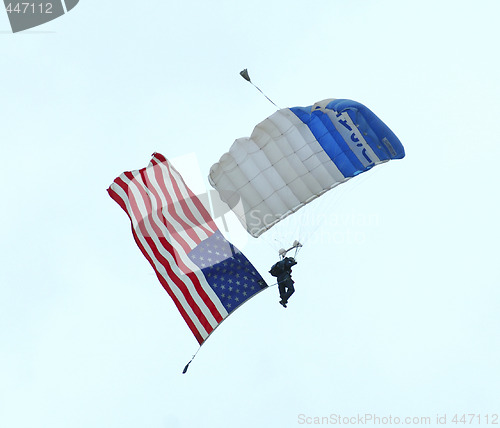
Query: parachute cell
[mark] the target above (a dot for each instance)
(296, 155)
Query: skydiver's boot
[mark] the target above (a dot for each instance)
(283, 303)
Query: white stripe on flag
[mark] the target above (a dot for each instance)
(172, 211)
(171, 177)
(178, 247)
(160, 268)
(178, 262)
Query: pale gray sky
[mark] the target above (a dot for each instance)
(396, 309)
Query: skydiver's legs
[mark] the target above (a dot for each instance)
(281, 287)
(286, 290)
(290, 290)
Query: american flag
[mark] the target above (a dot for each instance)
(204, 274)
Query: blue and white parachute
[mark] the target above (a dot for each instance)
(296, 155)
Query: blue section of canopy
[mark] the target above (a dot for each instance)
(376, 133)
(330, 140)
(379, 136)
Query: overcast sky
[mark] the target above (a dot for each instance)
(396, 311)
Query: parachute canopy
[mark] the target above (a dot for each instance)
(296, 155)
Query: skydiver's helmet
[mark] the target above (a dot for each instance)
(282, 252)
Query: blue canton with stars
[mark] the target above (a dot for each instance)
(232, 277)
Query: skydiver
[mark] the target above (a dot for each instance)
(283, 271)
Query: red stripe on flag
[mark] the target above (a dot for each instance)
(199, 206)
(173, 232)
(160, 258)
(188, 228)
(174, 235)
(205, 227)
(162, 280)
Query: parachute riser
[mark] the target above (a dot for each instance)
(284, 252)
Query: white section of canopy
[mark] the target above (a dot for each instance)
(274, 173)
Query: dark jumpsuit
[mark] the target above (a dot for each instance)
(285, 282)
